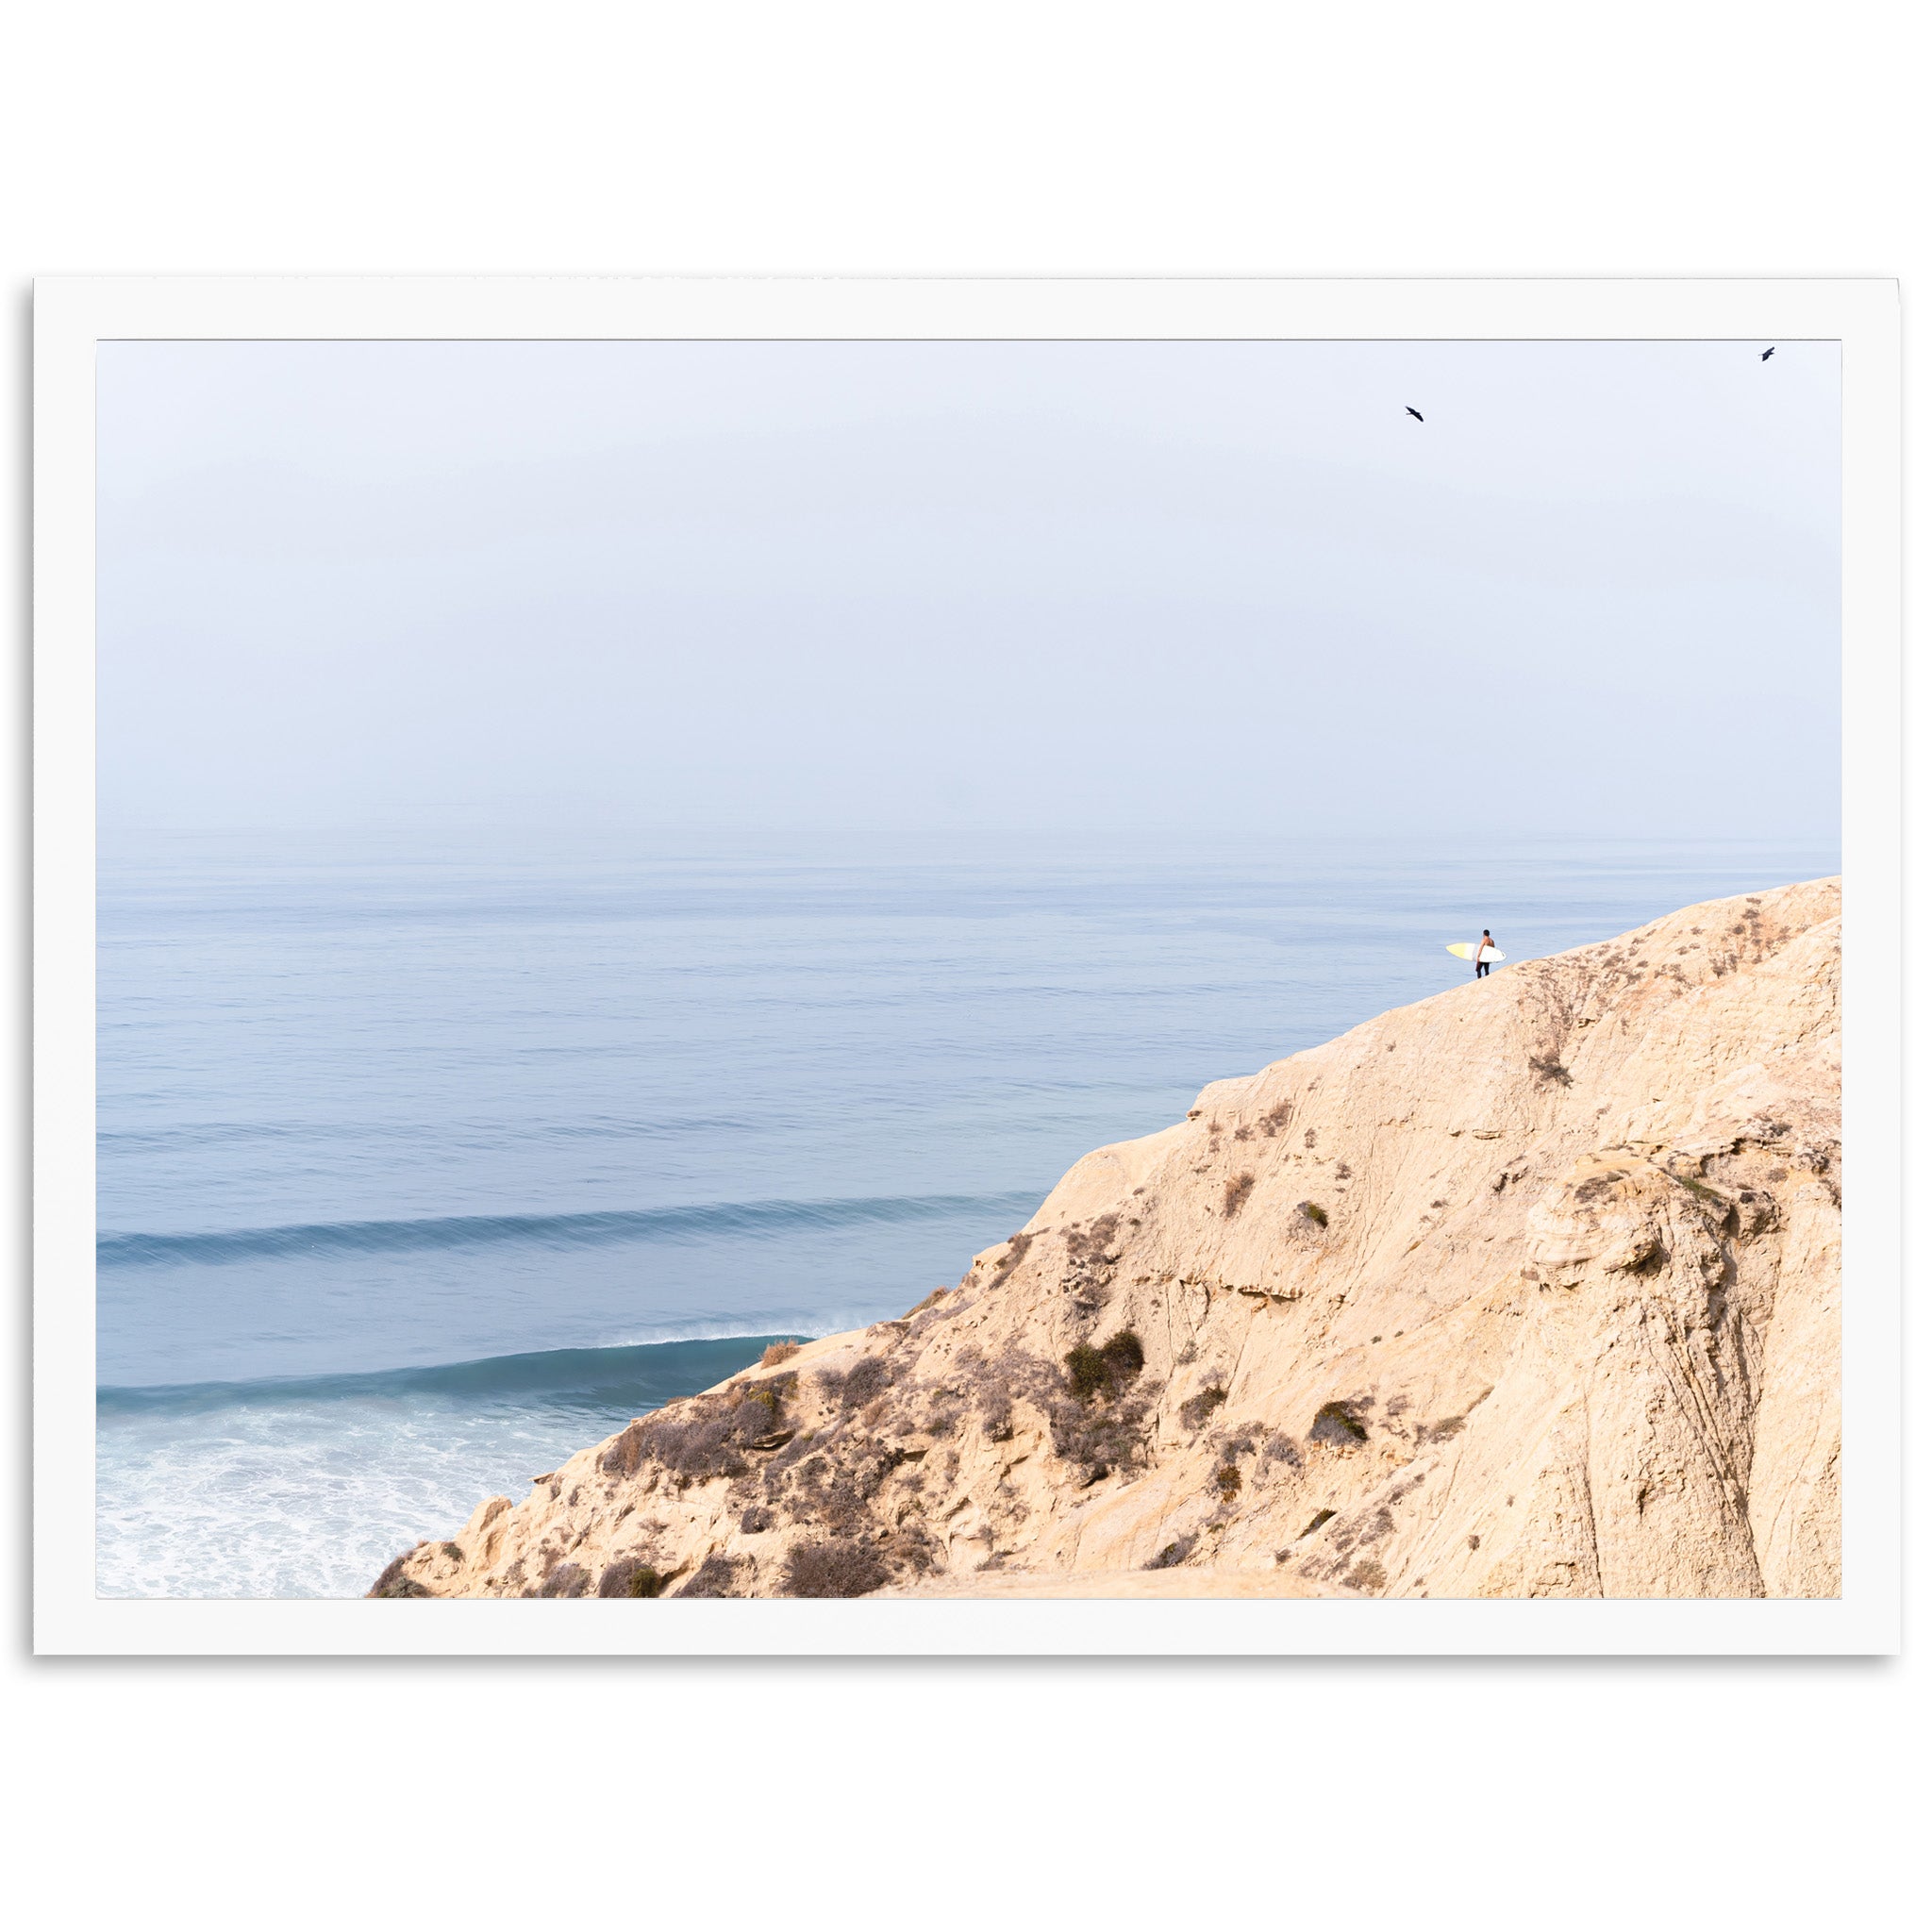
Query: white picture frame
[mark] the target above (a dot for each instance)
(74, 315)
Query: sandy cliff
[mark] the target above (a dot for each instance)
(1528, 1289)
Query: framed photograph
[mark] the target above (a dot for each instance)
(966, 966)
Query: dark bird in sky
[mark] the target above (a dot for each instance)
(1768, 352)
(1416, 414)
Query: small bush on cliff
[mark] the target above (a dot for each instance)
(1227, 1479)
(1234, 1196)
(1087, 1246)
(1315, 1212)
(567, 1579)
(777, 1353)
(1336, 1423)
(1172, 1555)
(839, 1568)
(1197, 1408)
(624, 1453)
(393, 1583)
(1106, 1370)
(717, 1576)
(707, 1436)
(1016, 1253)
(865, 1379)
(629, 1576)
(1316, 1521)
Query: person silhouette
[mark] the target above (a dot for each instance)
(1484, 947)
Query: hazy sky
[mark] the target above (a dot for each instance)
(1205, 587)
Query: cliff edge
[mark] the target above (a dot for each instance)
(1527, 1289)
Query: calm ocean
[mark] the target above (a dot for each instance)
(418, 1171)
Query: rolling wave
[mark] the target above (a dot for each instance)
(637, 1378)
(674, 1225)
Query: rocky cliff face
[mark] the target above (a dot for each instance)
(1528, 1289)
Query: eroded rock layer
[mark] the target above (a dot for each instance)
(1528, 1289)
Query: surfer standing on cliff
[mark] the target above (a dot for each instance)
(1485, 947)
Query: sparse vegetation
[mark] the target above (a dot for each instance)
(567, 1579)
(1105, 1371)
(630, 1576)
(706, 1437)
(1545, 1068)
(1088, 1247)
(1337, 1423)
(393, 1583)
(1234, 1196)
(840, 1568)
(626, 1453)
(454, 1552)
(1228, 1480)
(1314, 1211)
(865, 1379)
(1316, 1521)
(1172, 1555)
(1197, 1408)
(716, 1576)
(777, 1354)
(1367, 1575)
(755, 1521)
(1016, 1253)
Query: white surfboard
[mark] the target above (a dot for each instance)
(1465, 949)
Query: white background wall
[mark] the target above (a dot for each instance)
(1676, 138)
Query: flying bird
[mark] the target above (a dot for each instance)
(1768, 352)
(1416, 414)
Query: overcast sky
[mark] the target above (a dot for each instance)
(1199, 586)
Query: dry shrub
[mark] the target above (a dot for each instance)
(1227, 1479)
(755, 1521)
(1016, 1253)
(1098, 1437)
(716, 1576)
(630, 1576)
(707, 1436)
(1316, 1521)
(1337, 1423)
(854, 1388)
(393, 1583)
(777, 1353)
(1106, 1370)
(1314, 1211)
(1087, 1246)
(840, 1568)
(624, 1453)
(1197, 1408)
(567, 1579)
(1173, 1557)
(1234, 1197)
